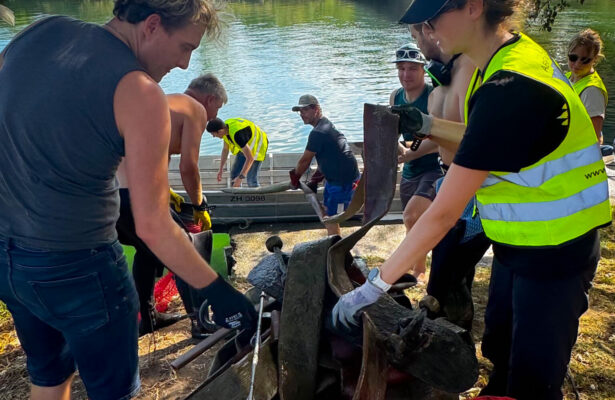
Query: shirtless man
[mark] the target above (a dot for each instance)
(189, 115)
(454, 258)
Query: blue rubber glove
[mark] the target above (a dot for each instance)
(351, 303)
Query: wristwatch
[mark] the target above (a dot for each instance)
(241, 176)
(374, 278)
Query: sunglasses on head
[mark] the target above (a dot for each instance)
(446, 7)
(407, 54)
(574, 58)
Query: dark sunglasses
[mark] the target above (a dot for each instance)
(574, 58)
(446, 7)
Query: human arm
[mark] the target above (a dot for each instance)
(413, 121)
(247, 152)
(427, 147)
(459, 185)
(223, 158)
(192, 131)
(302, 165)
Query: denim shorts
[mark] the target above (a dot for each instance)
(337, 197)
(74, 309)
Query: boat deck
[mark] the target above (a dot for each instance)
(290, 205)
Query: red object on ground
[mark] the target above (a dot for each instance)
(164, 291)
(165, 288)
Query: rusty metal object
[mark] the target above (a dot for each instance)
(301, 319)
(232, 380)
(200, 348)
(311, 197)
(372, 383)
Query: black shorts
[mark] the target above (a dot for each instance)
(423, 185)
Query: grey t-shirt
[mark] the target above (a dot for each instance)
(594, 101)
(60, 146)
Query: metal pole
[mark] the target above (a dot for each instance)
(257, 345)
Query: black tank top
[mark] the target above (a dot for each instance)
(59, 143)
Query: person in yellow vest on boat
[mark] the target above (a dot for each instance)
(584, 52)
(541, 201)
(247, 142)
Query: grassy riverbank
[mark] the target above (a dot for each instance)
(592, 364)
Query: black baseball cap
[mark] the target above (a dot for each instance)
(421, 11)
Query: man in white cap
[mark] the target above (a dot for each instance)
(335, 159)
(421, 168)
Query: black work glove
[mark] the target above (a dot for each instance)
(294, 178)
(315, 180)
(231, 309)
(412, 121)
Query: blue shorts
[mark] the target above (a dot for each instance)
(337, 197)
(74, 309)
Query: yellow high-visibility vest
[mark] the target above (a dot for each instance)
(565, 194)
(592, 79)
(258, 143)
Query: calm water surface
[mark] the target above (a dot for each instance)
(338, 50)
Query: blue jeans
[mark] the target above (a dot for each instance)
(252, 176)
(74, 309)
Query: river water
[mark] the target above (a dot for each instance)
(273, 51)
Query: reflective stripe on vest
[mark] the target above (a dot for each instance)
(258, 143)
(592, 79)
(563, 195)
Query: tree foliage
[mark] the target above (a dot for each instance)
(544, 12)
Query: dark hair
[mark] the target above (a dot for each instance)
(215, 125)
(173, 14)
(496, 11)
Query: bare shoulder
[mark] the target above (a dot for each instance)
(464, 69)
(187, 106)
(138, 100)
(392, 97)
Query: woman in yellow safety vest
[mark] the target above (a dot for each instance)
(540, 201)
(584, 52)
(247, 142)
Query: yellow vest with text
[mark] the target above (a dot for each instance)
(258, 143)
(592, 79)
(562, 196)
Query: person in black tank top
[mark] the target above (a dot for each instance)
(75, 99)
(421, 168)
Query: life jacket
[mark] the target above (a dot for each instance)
(563, 195)
(258, 143)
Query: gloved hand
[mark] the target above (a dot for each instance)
(202, 218)
(175, 200)
(348, 305)
(231, 309)
(294, 178)
(315, 180)
(413, 121)
(201, 215)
